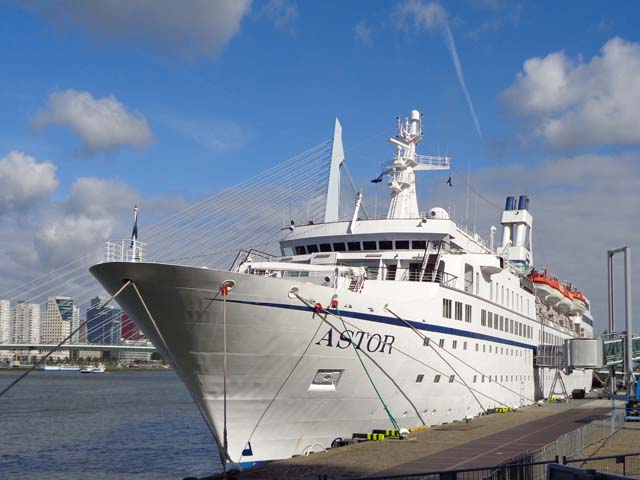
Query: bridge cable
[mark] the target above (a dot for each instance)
(44, 358)
(386, 374)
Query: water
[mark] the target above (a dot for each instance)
(116, 425)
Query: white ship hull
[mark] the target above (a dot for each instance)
(277, 345)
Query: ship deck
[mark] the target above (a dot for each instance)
(483, 441)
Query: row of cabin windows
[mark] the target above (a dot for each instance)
(482, 378)
(508, 298)
(550, 339)
(492, 348)
(446, 310)
(504, 324)
(359, 246)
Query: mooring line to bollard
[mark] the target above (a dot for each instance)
(57, 347)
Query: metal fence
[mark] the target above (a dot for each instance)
(532, 465)
(573, 443)
(627, 465)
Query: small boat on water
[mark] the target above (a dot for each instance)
(93, 369)
(59, 368)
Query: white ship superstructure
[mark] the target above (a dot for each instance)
(358, 324)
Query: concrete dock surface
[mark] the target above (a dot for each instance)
(483, 441)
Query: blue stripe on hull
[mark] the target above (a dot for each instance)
(394, 321)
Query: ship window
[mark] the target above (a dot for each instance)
(484, 348)
(418, 244)
(312, 248)
(468, 278)
(464, 346)
(441, 342)
(339, 247)
(301, 250)
(402, 244)
(467, 313)
(511, 325)
(385, 244)
(490, 349)
(483, 317)
(477, 347)
(353, 246)
(419, 378)
(446, 308)
(454, 344)
(325, 247)
(482, 378)
(391, 271)
(414, 272)
(502, 322)
(369, 245)
(520, 329)
(490, 320)
(458, 310)
(475, 378)
(436, 379)
(451, 378)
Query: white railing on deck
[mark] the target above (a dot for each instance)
(123, 251)
(433, 161)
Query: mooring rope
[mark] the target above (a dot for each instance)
(57, 347)
(423, 337)
(366, 371)
(386, 374)
(427, 341)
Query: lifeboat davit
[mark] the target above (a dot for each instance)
(579, 303)
(566, 302)
(547, 288)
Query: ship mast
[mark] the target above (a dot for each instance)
(401, 171)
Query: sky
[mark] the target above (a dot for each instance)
(161, 103)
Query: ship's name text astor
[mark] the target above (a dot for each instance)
(362, 340)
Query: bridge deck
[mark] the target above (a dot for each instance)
(77, 346)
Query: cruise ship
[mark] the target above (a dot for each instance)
(361, 324)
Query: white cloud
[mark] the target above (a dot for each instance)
(413, 14)
(69, 238)
(199, 28)
(576, 103)
(24, 181)
(101, 124)
(97, 197)
(281, 12)
(362, 33)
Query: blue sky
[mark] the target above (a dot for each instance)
(218, 91)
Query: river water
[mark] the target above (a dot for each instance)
(116, 425)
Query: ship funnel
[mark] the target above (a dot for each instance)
(517, 224)
(510, 204)
(523, 202)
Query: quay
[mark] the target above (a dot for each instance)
(480, 442)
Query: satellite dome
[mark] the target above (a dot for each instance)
(438, 213)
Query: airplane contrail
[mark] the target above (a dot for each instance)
(451, 46)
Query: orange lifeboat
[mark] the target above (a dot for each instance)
(579, 303)
(566, 302)
(547, 287)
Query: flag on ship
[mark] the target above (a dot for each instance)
(134, 233)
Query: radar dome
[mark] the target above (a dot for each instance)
(438, 213)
